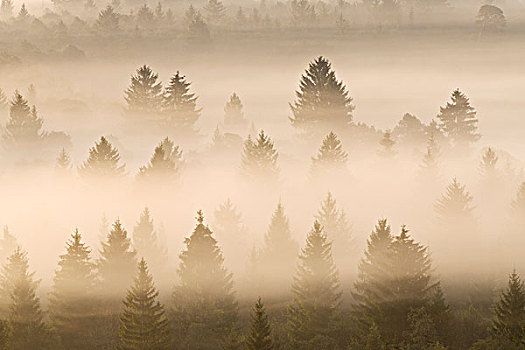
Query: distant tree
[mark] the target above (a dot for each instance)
(103, 161)
(204, 308)
(8, 244)
(145, 17)
(146, 242)
(509, 320)
(455, 204)
(215, 11)
(108, 20)
(198, 32)
(164, 165)
(429, 171)
(410, 131)
(144, 94)
(159, 12)
(303, 13)
(387, 145)
(24, 127)
(26, 324)
(458, 121)
(63, 162)
(143, 324)
(487, 167)
(23, 14)
(490, 18)
(260, 337)
(6, 9)
(180, 105)
(233, 113)
(322, 103)
(116, 263)
(71, 303)
(259, 158)
(331, 155)
(518, 204)
(314, 311)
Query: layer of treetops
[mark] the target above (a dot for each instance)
(396, 301)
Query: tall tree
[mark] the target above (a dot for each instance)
(259, 159)
(260, 337)
(205, 311)
(180, 105)
(24, 127)
(117, 261)
(330, 157)
(144, 94)
(165, 163)
(108, 20)
(322, 103)
(143, 324)
(103, 161)
(233, 114)
(314, 311)
(458, 120)
(71, 302)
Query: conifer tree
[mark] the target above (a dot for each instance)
(180, 105)
(144, 94)
(8, 244)
(24, 127)
(487, 167)
(143, 324)
(23, 14)
(260, 337)
(233, 113)
(215, 11)
(146, 242)
(108, 20)
(205, 311)
(145, 17)
(458, 120)
(429, 165)
(63, 163)
(455, 204)
(322, 103)
(165, 163)
(6, 9)
(71, 302)
(259, 159)
(103, 161)
(373, 340)
(315, 307)
(410, 131)
(509, 320)
(117, 261)
(387, 145)
(331, 155)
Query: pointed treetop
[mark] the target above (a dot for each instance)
(200, 217)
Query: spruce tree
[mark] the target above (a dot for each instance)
(165, 163)
(429, 166)
(458, 121)
(145, 17)
(455, 205)
(146, 242)
(410, 131)
(180, 105)
(108, 20)
(71, 302)
(144, 94)
(314, 311)
(215, 11)
(143, 324)
(63, 163)
(322, 103)
(509, 319)
(24, 128)
(233, 114)
(259, 159)
(488, 166)
(23, 14)
(204, 308)
(260, 337)
(103, 162)
(330, 157)
(116, 263)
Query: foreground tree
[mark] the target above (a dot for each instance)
(103, 162)
(144, 94)
(313, 314)
(509, 320)
(331, 156)
(260, 337)
(322, 103)
(259, 159)
(143, 324)
(204, 308)
(71, 302)
(180, 105)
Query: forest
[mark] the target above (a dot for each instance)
(262, 175)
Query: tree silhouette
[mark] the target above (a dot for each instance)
(260, 337)
(233, 114)
(180, 105)
(165, 163)
(108, 20)
(331, 155)
(509, 320)
(103, 162)
(144, 94)
(259, 159)
(24, 128)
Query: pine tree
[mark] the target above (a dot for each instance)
(260, 337)
(146, 242)
(331, 155)
(387, 145)
(487, 167)
(23, 14)
(215, 11)
(337, 229)
(103, 162)
(6, 9)
(410, 131)
(143, 324)
(24, 127)
(322, 103)
(108, 20)
(164, 165)
(458, 120)
(144, 94)
(26, 324)
(259, 158)
(145, 17)
(71, 303)
(455, 204)
(315, 307)
(233, 113)
(180, 105)
(116, 262)
(63, 163)
(205, 311)
(509, 320)
(8, 244)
